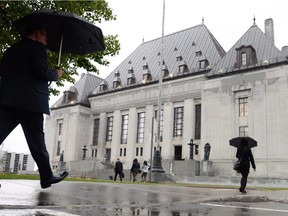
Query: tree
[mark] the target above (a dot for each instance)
(93, 11)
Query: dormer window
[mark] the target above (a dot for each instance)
(117, 83)
(165, 71)
(130, 70)
(245, 56)
(145, 66)
(131, 80)
(183, 68)
(103, 86)
(179, 58)
(203, 64)
(198, 53)
(117, 80)
(146, 76)
(70, 96)
(131, 77)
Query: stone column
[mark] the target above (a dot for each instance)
(149, 114)
(101, 150)
(188, 126)
(117, 121)
(168, 116)
(132, 134)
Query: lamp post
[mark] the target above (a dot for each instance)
(84, 149)
(191, 144)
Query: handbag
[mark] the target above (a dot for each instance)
(122, 175)
(237, 166)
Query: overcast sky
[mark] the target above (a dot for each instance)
(139, 20)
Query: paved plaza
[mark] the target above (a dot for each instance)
(25, 197)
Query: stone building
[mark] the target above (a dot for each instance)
(208, 95)
(12, 162)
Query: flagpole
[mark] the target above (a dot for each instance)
(157, 172)
(160, 80)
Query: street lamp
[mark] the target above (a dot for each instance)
(84, 149)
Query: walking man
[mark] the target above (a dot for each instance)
(118, 169)
(24, 96)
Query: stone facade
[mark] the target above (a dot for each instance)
(214, 107)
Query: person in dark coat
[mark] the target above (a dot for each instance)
(135, 169)
(118, 169)
(244, 154)
(24, 96)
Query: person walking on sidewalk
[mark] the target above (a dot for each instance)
(24, 96)
(244, 154)
(118, 169)
(145, 169)
(135, 169)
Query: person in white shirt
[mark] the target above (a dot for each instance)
(145, 169)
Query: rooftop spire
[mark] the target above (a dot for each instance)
(254, 20)
(203, 20)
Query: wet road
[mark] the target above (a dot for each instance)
(25, 197)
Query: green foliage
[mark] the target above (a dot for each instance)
(94, 11)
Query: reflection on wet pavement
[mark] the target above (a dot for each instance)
(26, 198)
(33, 212)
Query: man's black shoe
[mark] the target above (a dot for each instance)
(54, 179)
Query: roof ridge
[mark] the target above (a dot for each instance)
(173, 33)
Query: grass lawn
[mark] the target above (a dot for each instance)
(36, 177)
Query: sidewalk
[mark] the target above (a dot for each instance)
(25, 197)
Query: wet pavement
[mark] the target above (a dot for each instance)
(25, 197)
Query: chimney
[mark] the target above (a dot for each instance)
(269, 29)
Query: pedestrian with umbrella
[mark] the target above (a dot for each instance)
(24, 96)
(245, 157)
(25, 74)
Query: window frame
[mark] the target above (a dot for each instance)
(243, 130)
(198, 108)
(243, 106)
(96, 131)
(243, 58)
(140, 127)
(109, 128)
(178, 121)
(124, 128)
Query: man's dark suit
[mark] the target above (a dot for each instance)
(118, 170)
(24, 96)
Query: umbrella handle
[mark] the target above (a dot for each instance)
(60, 51)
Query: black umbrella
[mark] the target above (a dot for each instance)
(236, 142)
(66, 31)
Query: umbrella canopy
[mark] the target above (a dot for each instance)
(236, 142)
(66, 31)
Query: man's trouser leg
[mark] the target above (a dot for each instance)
(32, 124)
(8, 122)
